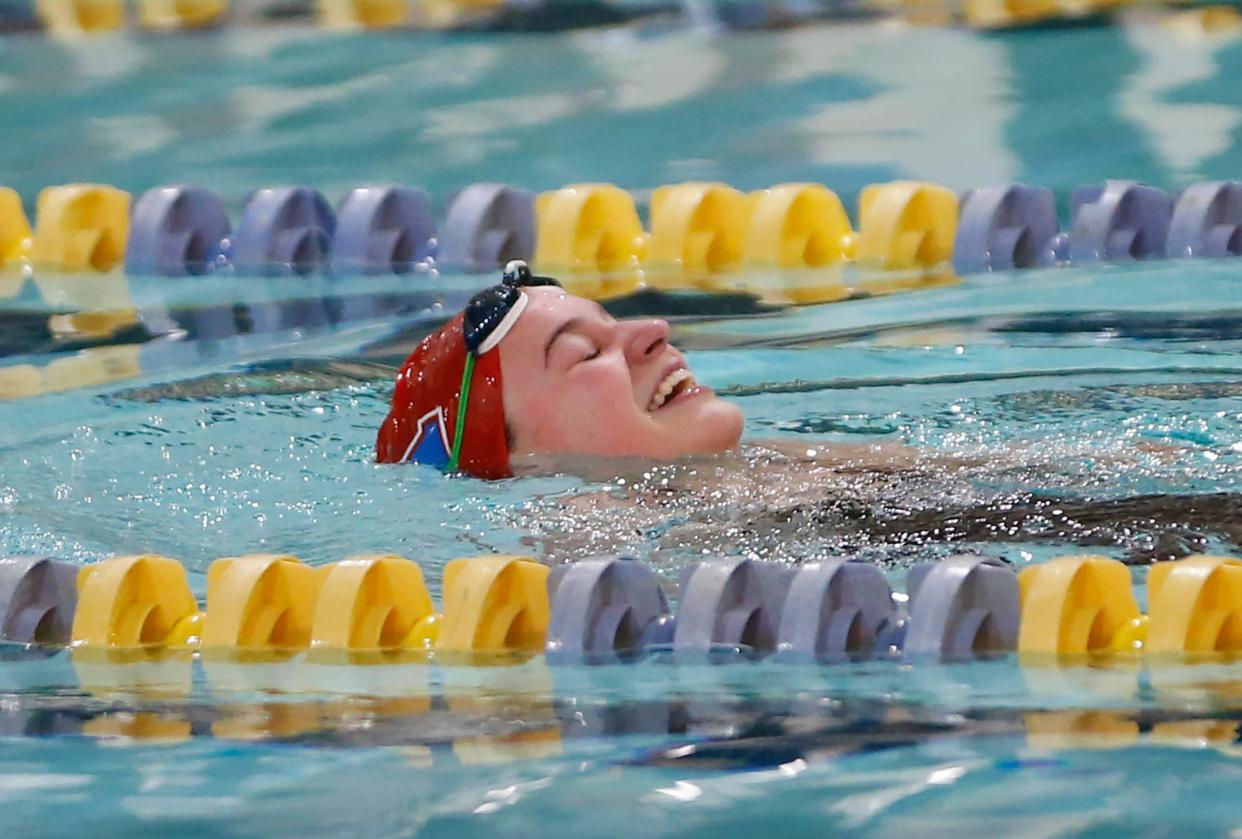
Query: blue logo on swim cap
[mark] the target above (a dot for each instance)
(430, 444)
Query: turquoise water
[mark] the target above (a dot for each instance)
(1047, 382)
(843, 104)
(1010, 387)
(214, 417)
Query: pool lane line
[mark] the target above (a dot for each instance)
(811, 386)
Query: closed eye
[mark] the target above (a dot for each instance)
(573, 348)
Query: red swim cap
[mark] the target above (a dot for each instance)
(422, 423)
(428, 422)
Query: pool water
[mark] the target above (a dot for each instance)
(999, 382)
(845, 104)
(1039, 384)
(1037, 414)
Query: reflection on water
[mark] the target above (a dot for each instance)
(416, 700)
(845, 104)
(574, 751)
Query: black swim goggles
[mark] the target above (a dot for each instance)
(487, 319)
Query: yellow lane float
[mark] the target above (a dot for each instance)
(1076, 605)
(798, 226)
(181, 14)
(14, 227)
(696, 229)
(260, 602)
(1195, 606)
(494, 604)
(71, 18)
(135, 601)
(373, 602)
(363, 14)
(591, 236)
(81, 227)
(906, 225)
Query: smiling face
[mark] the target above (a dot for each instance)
(578, 381)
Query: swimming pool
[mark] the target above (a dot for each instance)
(999, 361)
(214, 417)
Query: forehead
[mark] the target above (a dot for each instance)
(547, 308)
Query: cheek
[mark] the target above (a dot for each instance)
(590, 412)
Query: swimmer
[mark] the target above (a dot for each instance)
(528, 370)
(552, 382)
(529, 378)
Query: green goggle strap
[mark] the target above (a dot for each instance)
(463, 401)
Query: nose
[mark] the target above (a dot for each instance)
(647, 339)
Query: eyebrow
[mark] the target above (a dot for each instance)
(572, 323)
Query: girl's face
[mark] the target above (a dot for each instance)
(578, 381)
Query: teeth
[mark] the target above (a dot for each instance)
(670, 383)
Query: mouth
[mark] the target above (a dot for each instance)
(678, 382)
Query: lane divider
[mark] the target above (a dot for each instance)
(1079, 605)
(1083, 605)
(494, 603)
(81, 227)
(1197, 610)
(593, 236)
(76, 18)
(610, 607)
(259, 602)
(373, 602)
(14, 227)
(177, 231)
(135, 601)
(38, 598)
(383, 230)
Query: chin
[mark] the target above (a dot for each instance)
(715, 428)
